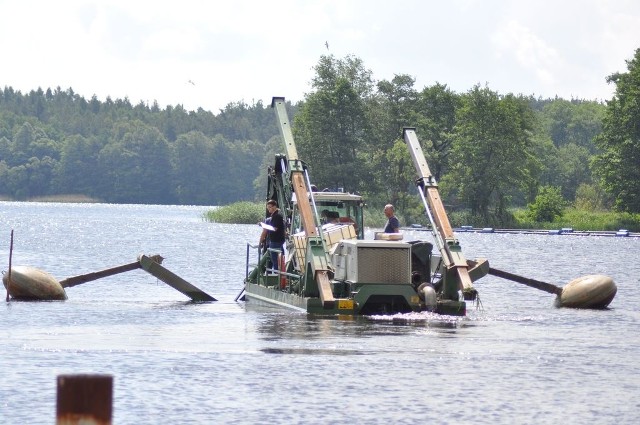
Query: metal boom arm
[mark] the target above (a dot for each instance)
(317, 257)
(446, 242)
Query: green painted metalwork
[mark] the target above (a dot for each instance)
(328, 275)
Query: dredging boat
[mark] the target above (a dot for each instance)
(329, 268)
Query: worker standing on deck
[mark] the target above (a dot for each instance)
(276, 236)
(393, 224)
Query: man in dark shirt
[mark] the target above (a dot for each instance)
(276, 236)
(393, 224)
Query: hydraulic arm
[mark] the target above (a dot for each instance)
(316, 256)
(448, 245)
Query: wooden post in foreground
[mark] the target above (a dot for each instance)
(84, 399)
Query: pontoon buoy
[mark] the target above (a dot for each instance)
(29, 283)
(592, 291)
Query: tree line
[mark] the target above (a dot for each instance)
(57, 142)
(489, 151)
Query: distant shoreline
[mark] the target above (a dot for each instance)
(69, 199)
(565, 231)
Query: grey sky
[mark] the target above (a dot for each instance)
(208, 53)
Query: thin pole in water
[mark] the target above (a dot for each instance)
(246, 267)
(10, 256)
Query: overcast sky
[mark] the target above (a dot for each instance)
(208, 53)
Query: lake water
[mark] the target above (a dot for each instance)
(516, 360)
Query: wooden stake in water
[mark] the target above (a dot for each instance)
(84, 399)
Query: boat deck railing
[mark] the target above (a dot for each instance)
(291, 277)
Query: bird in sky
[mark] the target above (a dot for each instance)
(191, 82)
(326, 43)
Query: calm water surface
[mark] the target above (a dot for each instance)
(516, 360)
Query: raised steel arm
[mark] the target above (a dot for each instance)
(446, 242)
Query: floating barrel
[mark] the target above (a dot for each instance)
(592, 291)
(29, 283)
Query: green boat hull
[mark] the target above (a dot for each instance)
(368, 300)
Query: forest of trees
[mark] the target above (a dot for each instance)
(57, 142)
(489, 151)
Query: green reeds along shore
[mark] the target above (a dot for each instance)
(253, 212)
(583, 220)
(238, 213)
(577, 219)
